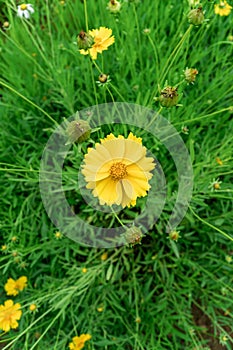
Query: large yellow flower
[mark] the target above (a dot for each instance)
(12, 287)
(102, 40)
(222, 9)
(117, 170)
(9, 314)
(79, 342)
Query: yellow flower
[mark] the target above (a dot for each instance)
(84, 270)
(102, 40)
(13, 287)
(104, 256)
(9, 314)
(33, 307)
(117, 170)
(222, 9)
(78, 343)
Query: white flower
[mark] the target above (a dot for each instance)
(25, 10)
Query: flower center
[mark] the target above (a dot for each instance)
(23, 7)
(118, 171)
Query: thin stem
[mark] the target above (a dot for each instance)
(117, 217)
(29, 101)
(210, 225)
(85, 14)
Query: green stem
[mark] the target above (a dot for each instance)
(29, 101)
(210, 225)
(85, 14)
(117, 217)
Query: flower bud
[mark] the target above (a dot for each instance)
(168, 97)
(174, 235)
(190, 74)
(103, 78)
(133, 235)
(84, 40)
(114, 6)
(78, 131)
(196, 16)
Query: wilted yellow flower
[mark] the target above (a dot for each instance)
(222, 9)
(79, 342)
(117, 170)
(9, 315)
(13, 287)
(102, 40)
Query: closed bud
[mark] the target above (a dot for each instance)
(114, 6)
(133, 235)
(174, 235)
(78, 131)
(103, 78)
(168, 97)
(84, 40)
(196, 16)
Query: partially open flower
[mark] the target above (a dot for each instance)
(196, 16)
(222, 9)
(190, 74)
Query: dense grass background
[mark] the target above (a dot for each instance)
(160, 294)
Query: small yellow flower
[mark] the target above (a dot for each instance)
(100, 309)
(84, 270)
(222, 9)
(4, 247)
(14, 238)
(9, 315)
(78, 343)
(138, 320)
(58, 235)
(102, 40)
(104, 256)
(215, 184)
(33, 307)
(228, 258)
(117, 170)
(12, 287)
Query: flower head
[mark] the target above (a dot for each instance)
(12, 287)
(190, 74)
(114, 6)
(169, 97)
(33, 307)
(9, 315)
(196, 16)
(222, 9)
(78, 343)
(102, 40)
(25, 10)
(117, 170)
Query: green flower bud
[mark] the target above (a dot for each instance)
(168, 97)
(78, 131)
(84, 40)
(133, 235)
(174, 235)
(196, 16)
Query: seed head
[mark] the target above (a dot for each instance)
(84, 40)
(169, 97)
(196, 16)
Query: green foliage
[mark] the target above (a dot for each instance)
(160, 294)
